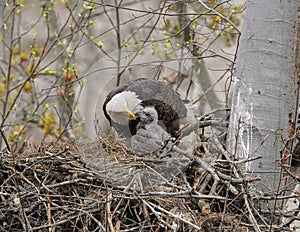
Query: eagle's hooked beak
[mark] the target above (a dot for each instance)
(130, 114)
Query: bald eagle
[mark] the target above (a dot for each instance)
(123, 105)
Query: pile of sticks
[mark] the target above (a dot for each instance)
(102, 186)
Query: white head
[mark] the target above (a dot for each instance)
(123, 107)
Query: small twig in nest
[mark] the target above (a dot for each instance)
(157, 215)
(174, 216)
(108, 213)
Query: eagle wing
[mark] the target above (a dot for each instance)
(160, 93)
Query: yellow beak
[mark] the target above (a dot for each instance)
(130, 114)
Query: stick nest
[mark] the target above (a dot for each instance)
(103, 186)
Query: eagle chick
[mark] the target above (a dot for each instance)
(149, 137)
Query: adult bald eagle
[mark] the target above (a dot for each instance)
(123, 105)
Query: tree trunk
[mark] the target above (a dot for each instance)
(265, 88)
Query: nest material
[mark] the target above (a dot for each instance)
(75, 187)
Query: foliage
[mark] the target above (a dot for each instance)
(48, 46)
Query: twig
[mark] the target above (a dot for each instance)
(251, 216)
(175, 216)
(60, 222)
(5, 140)
(23, 217)
(49, 213)
(220, 15)
(201, 124)
(241, 161)
(293, 175)
(108, 212)
(211, 172)
(158, 217)
(144, 208)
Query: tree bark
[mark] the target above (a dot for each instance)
(265, 90)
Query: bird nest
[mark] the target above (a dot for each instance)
(103, 186)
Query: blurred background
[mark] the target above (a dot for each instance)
(59, 59)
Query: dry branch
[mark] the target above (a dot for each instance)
(53, 187)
